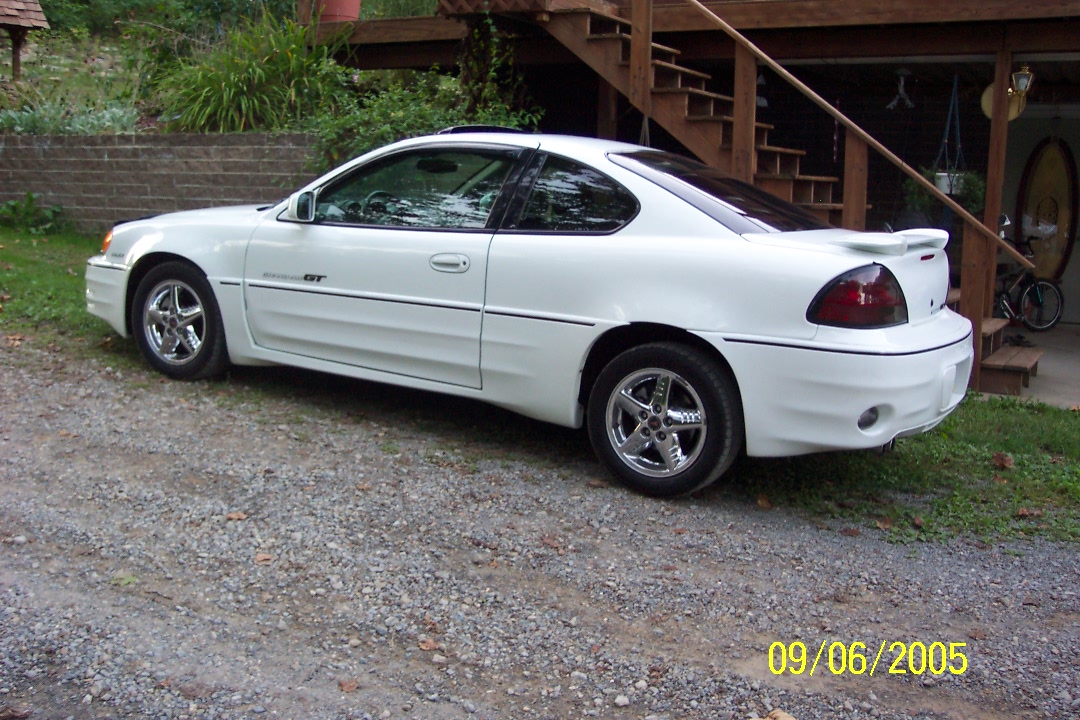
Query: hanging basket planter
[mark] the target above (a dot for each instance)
(949, 183)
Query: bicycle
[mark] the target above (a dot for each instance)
(1036, 302)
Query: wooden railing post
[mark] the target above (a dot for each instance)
(745, 115)
(641, 55)
(856, 171)
(607, 103)
(973, 305)
(995, 167)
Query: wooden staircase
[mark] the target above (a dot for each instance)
(680, 101)
(1006, 369)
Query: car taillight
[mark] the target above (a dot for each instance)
(867, 297)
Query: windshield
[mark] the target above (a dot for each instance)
(740, 207)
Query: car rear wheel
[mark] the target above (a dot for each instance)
(665, 419)
(177, 323)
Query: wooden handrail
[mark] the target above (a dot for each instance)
(862, 134)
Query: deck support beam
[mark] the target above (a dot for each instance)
(641, 55)
(607, 110)
(856, 172)
(745, 115)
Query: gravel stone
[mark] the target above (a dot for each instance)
(289, 544)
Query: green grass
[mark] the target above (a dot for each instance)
(996, 469)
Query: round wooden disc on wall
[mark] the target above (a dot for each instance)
(1016, 103)
(1046, 206)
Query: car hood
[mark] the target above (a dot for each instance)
(217, 215)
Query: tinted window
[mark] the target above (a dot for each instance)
(570, 197)
(739, 206)
(447, 188)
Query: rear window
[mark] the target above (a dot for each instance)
(740, 207)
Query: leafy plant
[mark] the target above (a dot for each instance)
(266, 74)
(50, 117)
(969, 190)
(394, 106)
(404, 107)
(28, 215)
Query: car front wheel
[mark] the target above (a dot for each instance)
(177, 325)
(666, 419)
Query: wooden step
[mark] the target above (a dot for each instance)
(952, 300)
(778, 161)
(1009, 369)
(992, 334)
(697, 101)
(659, 52)
(726, 126)
(799, 189)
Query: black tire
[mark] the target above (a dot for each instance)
(665, 443)
(177, 324)
(1041, 305)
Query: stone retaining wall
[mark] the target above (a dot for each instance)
(99, 180)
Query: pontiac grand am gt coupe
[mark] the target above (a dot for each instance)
(680, 315)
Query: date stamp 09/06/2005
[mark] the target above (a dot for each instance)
(916, 658)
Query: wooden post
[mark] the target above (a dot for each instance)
(972, 300)
(743, 151)
(995, 168)
(18, 39)
(641, 55)
(856, 170)
(607, 110)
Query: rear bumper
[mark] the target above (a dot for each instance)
(800, 400)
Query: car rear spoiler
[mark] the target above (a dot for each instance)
(895, 243)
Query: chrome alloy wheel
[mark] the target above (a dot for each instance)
(174, 322)
(656, 422)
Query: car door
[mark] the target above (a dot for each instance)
(390, 274)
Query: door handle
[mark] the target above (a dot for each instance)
(449, 262)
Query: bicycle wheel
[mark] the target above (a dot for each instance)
(1041, 305)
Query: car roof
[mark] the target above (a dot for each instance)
(553, 142)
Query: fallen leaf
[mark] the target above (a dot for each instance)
(763, 502)
(1075, 408)
(427, 645)
(70, 271)
(238, 515)
(680, 531)
(779, 715)
(1026, 513)
(998, 480)
(12, 713)
(885, 523)
(1030, 600)
(918, 522)
(597, 483)
(1003, 460)
(551, 542)
(977, 634)
(4, 297)
(263, 558)
(851, 532)
(363, 487)
(348, 686)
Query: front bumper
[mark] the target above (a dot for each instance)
(799, 400)
(106, 292)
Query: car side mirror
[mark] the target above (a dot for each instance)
(301, 207)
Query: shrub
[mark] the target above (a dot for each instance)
(27, 214)
(264, 75)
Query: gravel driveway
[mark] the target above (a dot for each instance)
(298, 546)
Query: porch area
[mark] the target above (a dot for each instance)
(835, 105)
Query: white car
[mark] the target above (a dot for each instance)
(684, 317)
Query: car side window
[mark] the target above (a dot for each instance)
(449, 189)
(569, 197)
